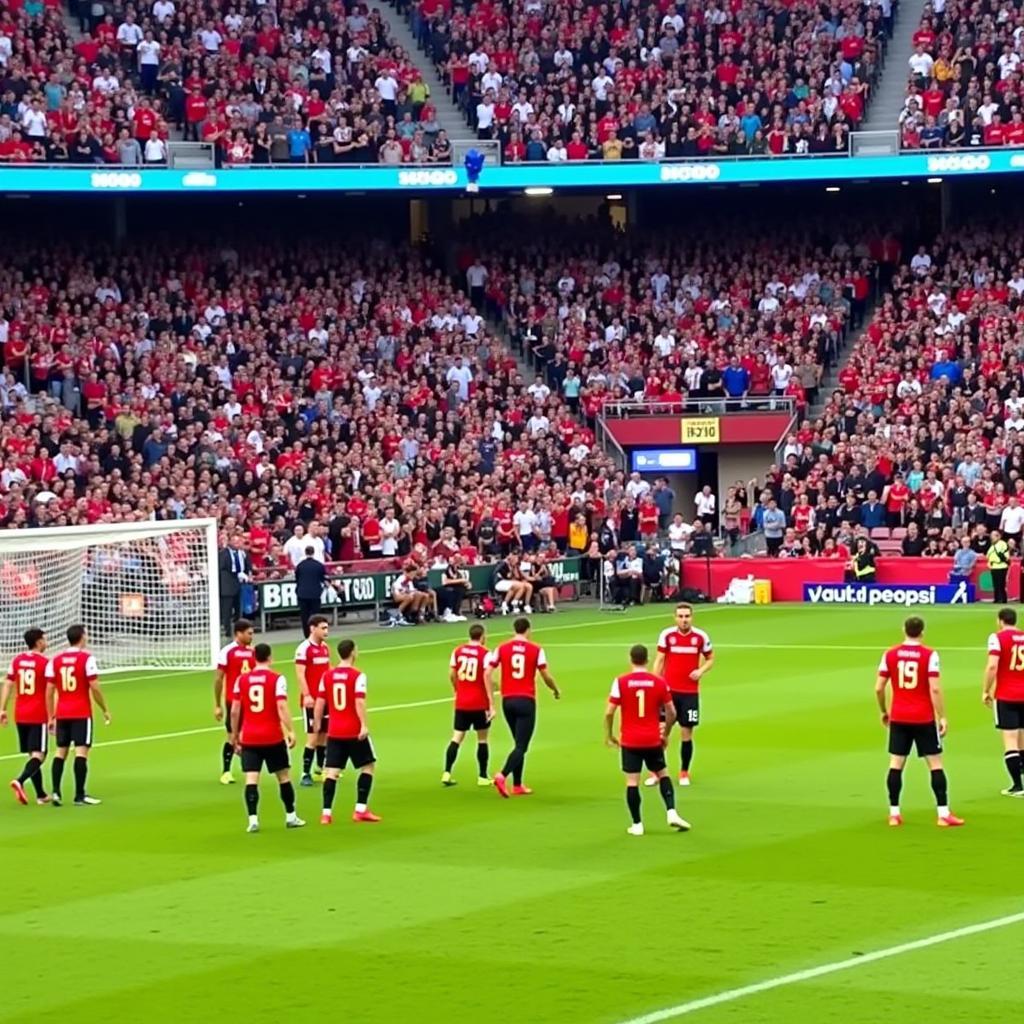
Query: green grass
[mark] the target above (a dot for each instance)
(463, 907)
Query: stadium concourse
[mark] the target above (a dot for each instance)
(689, 80)
(264, 84)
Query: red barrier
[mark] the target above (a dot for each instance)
(788, 575)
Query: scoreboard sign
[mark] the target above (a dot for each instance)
(701, 430)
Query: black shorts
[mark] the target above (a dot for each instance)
(904, 736)
(74, 732)
(32, 739)
(307, 714)
(340, 752)
(466, 720)
(275, 757)
(634, 759)
(687, 707)
(1009, 714)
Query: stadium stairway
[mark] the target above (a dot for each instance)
(449, 117)
(830, 381)
(891, 91)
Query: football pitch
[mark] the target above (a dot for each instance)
(460, 906)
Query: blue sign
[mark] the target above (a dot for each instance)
(903, 595)
(669, 460)
(585, 174)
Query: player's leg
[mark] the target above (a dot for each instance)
(321, 753)
(459, 727)
(278, 764)
(894, 786)
(483, 752)
(32, 740)
(364, 760)
(931, 750)
(666, 730)
(528, 598)
(63, 744)
(685, 753)
(633, 802)
(655, 761)
(252, 762)
(227, 752)
(82, 738)
(333, 765)
(524, 733)
(309, 750)
(1008, 722)
(451, 752)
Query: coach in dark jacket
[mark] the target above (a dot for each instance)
(310, 577)
(234, 569)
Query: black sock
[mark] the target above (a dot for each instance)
(363, 785)
(330, 785)
(633, 803)
(321, 756)
(252, 798)
(288, 797)
(451, 752)
(686, 754)
(31, 769)
(1013, 766)
(37, 780)
(894, 783)
(56, 774)
(81, 771)
(940, 787)
(482, 753)
(668, 794)
(307, 760)
(226, 755)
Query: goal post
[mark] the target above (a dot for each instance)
(145, 591)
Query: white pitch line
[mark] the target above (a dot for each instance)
(220, 728)
(733, 994)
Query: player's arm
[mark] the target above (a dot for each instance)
(881, 682)
(300, 676)
(658, 668)
(286, 721)
(938, 700)
(609, 724)
(236, 721)
(670, 719)
(218, 693)
(704, 668)
(549, 681)
(5, 698)
(991, 670)
(364, 728)
(93, 679)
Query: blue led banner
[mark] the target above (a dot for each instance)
(608, 174)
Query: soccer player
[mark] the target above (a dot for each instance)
(474, 704)
(32, 711)
(684, 657)
(1004, 680)
(341, 700)
(261, 731)
(519, 660)
(312, 660)
(640, 697)
(915, 716)
(74, 676)
(234, 660)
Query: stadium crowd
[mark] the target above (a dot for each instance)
(263, 83)
(964, 86)
(554, 82)
(308, 395)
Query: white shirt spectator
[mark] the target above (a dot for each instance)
(211, 40)
(524, 522)
(155, 151)
(463, 375)
(781, 374)
(920, 263)
(705, 504)
(1012, 519)
(538, 424)
(476, 275)
(637, 488)
(678, 535)
(538, 391)
(129, 34)
(387, 87)
(163, 9)
(921, 64)
(485, 115)
(664, 343)
(390, 529)
(34, 123)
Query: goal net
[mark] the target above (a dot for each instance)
(146, 592)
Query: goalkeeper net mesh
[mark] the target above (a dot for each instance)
(143, 593)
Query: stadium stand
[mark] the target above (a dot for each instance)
(263, 84)
(756, 77)
(964, 79)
